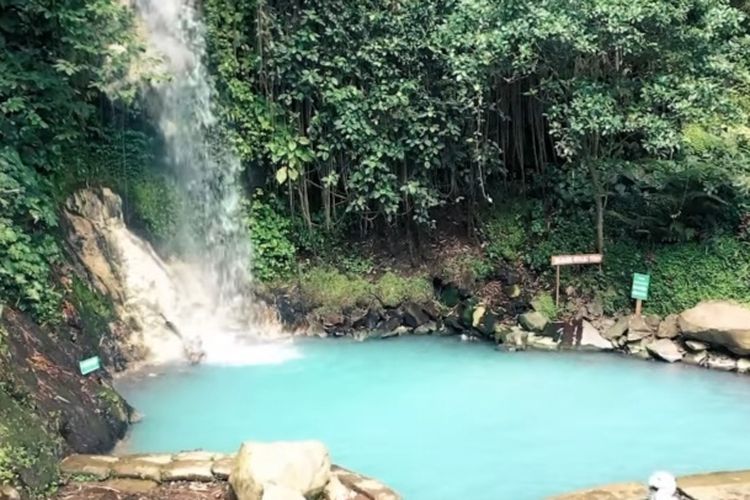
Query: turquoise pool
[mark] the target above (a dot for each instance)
(438, 419)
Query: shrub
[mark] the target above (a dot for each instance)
(27, 217)
(393, 290)
(157, 205)
(96, 312)
(545, 304)
(273, 253)
(330, 289)
(505, 234)
(683, 275)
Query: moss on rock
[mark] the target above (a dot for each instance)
(28, 448)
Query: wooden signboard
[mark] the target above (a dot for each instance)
(572, 260)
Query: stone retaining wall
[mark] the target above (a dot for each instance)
(186, 475)
(712, 486)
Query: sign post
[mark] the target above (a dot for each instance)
(90, 365)
(639, 290)
(571, 260)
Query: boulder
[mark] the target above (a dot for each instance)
(695, 358)
(638, 350)
(653, 321)
(484, 321)
(592, 340)
(669, 328)
(665, 349)
(273, 491)
(695, 346)
(401, 330)
(303, 467)
(638, 329)
(743, 365)
(390, 322)
(414, 315)
(135, 468)
(358, 318)
(718, 361)
(595, 309)
(426, 329)
(330, 319)
(617, 330)
(533, 321)
(335, 490)
(512, 338)
(222, 468)
(719, 323)
(450, 296)
(188, 470)
(512, 291)
(542, 343)
(9, 493)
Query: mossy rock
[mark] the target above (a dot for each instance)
(28, 448)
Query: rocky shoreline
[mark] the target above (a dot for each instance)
(734, 485)
(713, 334)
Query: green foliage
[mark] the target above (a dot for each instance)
(157, 204)
(96, 312)
(385, 113)
(683, 275)
(28, 450)
(465, 270)
(545, 304)
(273, 253)
(60, 60)
(27, 219)
(503, 230)
(393, 290)
(327, 288)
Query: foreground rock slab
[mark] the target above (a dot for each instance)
(712, 486)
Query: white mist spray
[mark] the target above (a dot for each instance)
(211, 311)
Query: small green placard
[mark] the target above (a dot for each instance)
(90, 365)
(640, 286)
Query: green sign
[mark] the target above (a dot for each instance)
(640, 286)
(90, 365)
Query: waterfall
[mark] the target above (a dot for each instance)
(205, 300)
(207, 170)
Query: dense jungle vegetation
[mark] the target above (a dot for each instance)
(553, 126)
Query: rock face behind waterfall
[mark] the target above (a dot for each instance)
(127, 270)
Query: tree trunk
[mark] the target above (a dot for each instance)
(596, 186)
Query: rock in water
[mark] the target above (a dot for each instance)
(722, 362)
(303, 467)
(414, 315)
(592, 340)
(665, 349)
(533, 321)
(719, 323)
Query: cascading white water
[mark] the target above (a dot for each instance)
(206, 168)
(206, 295)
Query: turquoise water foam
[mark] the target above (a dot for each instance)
(441, 420)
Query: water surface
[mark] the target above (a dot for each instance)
(442, 420)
